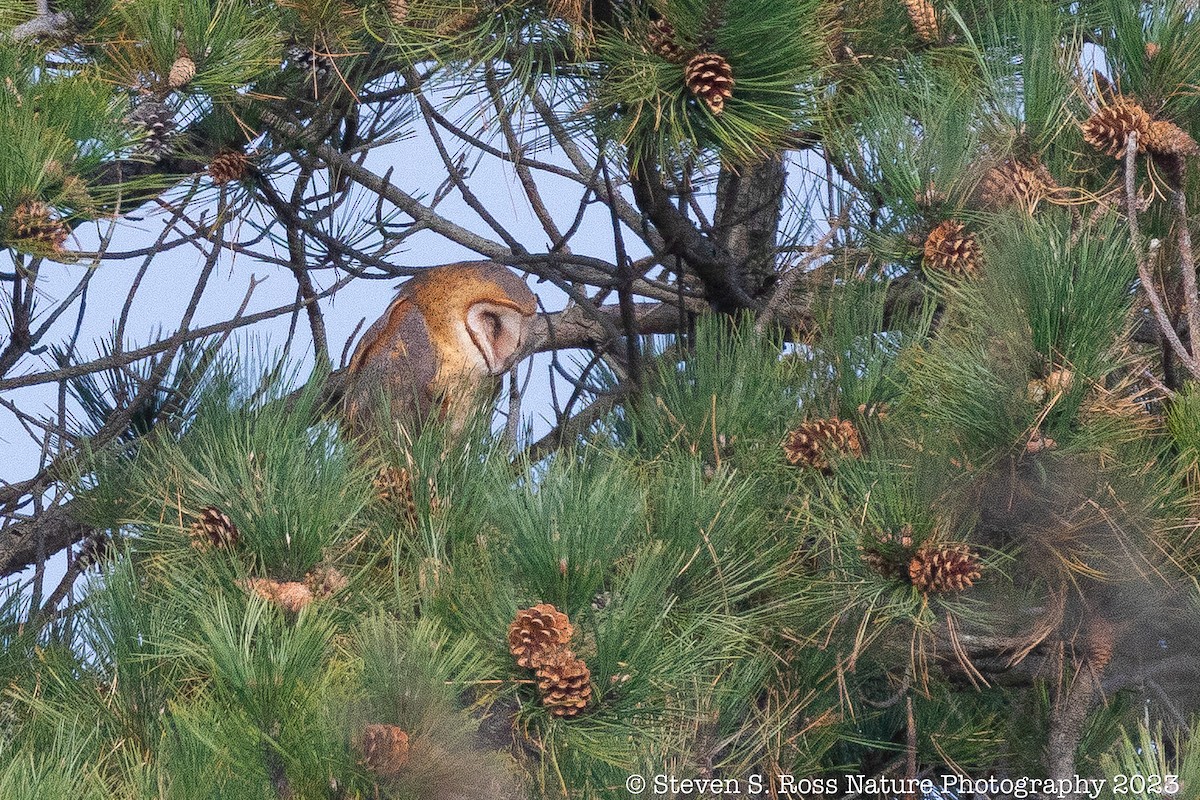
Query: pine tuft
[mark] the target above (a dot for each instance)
(710, 77)
(951, 249)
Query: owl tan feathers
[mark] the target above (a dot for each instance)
(440, 348)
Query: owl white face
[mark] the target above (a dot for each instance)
(499, 332)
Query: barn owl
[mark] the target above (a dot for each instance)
(440, 347)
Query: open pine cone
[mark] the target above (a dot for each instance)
(942, 568)
(228, 165)
(565, 683)
(537, 633)
(383, 749)
(924, 20)
(213, 528)
(1108, 129)
(397, 10)
(816, 442)
(710, 77)
(1014, 183)
(35, 226)
(661, 40)
(952, 249)
(887, 552)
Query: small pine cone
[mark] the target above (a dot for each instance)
(1168, 139)
(1012, 183)
(710, 77)
(34, 226)
(325, 580)
(565, 683)
(951, 249)
(397, 11)
(213, 528)
(1152, 49)
(181, 72)
(157, 123)
(1108, 129)
(96, 549)
(816, 442)
(538, 632)
(661, 41)
(228, 165)
(393, 488)
(383, 749)
(943, 568)
(1100, 639)
(887, 552)
(924, 20)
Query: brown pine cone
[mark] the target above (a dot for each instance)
(710, 77)
(228, 165)
(383, 749)
(291, 596)
(924, 20)
(1013, 183)
(565, 683)
(538, 632)
(952, 249)
(181, 72)
(397, 10)
(393, 488)
(325, 580)
(1108, 129)
(817, 442)
(1168, 139)
(34, 225)
(887, 552)
(943, 568)
(662, 41)
(213, 528)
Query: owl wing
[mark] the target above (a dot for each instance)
(395, 359)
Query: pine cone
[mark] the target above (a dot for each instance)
(924, 20)
(816, 442)
(96, 549)
(1152, 49)
(397, 10)
(710, 77)
(34, 226)
(1168, 139)
(212, 529)
(1108, 129)
(538, 632)
(325, 580)
(383, 749)
(1100, 639)
(950, 248)
(565, 683)
(228, 165)
(943, 568)
(1013, 183)
(157, 122)
(393, 488)
(181, 72)
(291, 596)
(887, 552)
(661, 41)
